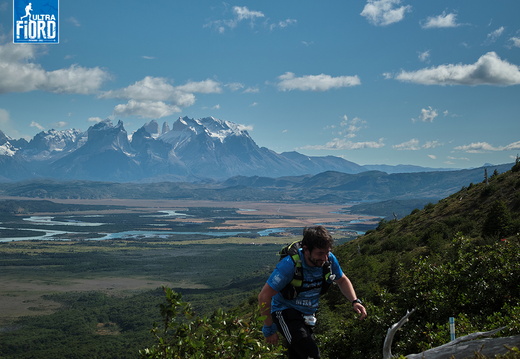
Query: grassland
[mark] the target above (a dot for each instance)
(196, 264)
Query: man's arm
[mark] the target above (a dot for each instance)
(264, 302)
(347, 289)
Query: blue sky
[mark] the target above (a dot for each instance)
(429, 83)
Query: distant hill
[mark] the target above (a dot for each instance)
(325, 187)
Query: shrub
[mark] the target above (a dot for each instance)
(184, 335)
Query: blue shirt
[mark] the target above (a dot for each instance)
(307, 301)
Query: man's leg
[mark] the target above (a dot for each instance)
(300, 338)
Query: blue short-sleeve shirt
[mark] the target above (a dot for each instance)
(307, 301)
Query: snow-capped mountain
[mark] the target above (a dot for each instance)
(192, 149)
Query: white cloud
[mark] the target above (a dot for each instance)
(458, 158)
(37, 125)
(74, 21)
(431, 144)
(322, 82)
(240, 13)
(427, 115)
(494, 35)
(344, 144)
(283, 24)
(243, 13)
(479, 147)
(424, 56)
(252, 90)
(384, 12)
(433, 157)
(160, 95)
(206, 86)
(412, 145)
(20, 74)
(350, 127)
(415, 145)
(6, 123)
(145, 109)
(443, 20)
(61, 124)
(488, 70)
(245, 127)
(152, 89)
(95, 119)
(515, 41)
(235, 86)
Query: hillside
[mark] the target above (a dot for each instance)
(457, 258)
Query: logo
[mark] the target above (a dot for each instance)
(35, 21)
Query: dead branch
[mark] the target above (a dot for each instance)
(387, 346)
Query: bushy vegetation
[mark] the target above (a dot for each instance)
(458, 258)
(184, 335)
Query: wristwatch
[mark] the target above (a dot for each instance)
(357, 301)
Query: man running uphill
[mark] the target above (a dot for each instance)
(291, 295)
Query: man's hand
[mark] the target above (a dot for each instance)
(360, 309)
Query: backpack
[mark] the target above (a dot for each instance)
(294, 288)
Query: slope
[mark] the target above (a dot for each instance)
(458, 258)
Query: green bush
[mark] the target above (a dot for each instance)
(221, 335)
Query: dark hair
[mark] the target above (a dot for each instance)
(317, 237)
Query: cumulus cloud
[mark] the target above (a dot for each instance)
(155, 97)
(415, 145)
(479, 147)
(145, 109)
(20, 74)
(427, 115)
(515, 41)
(322, 82)
(206, 86)
(244, 14)
(350, 127)
(384, 12)
(240, 13)
(440, 21)
(489, 69)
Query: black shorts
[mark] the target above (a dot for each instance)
(299, 336)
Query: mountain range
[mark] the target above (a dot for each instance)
(189, 150)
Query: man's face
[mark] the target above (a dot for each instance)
(317, 257)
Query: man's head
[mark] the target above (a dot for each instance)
(317, 243)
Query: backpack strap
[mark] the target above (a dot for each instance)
(295, 287)
(297, 280)
(328, 278)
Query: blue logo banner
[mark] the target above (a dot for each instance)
(35, 21)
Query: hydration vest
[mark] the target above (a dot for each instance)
(295, 287)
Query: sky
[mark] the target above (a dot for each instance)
(429, 83)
